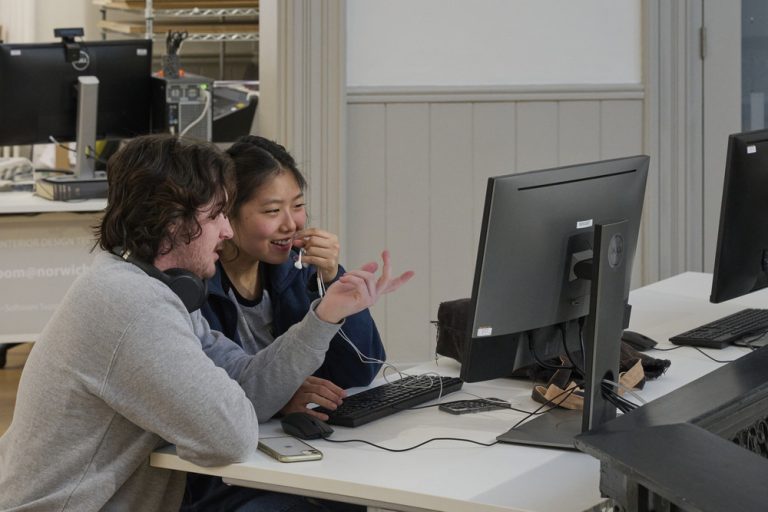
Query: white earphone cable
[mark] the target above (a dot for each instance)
(385, 365)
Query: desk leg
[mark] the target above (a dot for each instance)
(4, 347)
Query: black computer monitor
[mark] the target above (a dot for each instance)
(537, 236)
(741, 260)
(38, 95)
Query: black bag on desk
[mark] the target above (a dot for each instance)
(452, 321)
(453, 334)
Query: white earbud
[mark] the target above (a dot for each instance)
(297, 263)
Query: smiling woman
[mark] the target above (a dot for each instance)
(260, 291)
(267, 224)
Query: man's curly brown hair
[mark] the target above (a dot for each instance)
(157, 185)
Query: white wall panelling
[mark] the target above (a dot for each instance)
(408, 228)
(417, 169)
(676, 198)
(367, 146)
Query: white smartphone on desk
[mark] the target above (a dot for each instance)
(289, 449)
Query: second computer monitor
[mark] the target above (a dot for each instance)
(741, 260)
(537, 226)
(38, 94)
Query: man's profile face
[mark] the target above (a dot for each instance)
(199, 256)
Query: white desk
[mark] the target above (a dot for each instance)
(454, 476)
(44, 245)
(15, 203)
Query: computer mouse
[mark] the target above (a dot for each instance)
(305, 426)
(638, 341)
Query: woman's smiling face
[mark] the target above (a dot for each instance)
(265, 226)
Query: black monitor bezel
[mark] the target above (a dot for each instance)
(121, 114)
(742, 233)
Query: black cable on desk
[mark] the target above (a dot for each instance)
(568, 392)
(719, 361)
(398, 450)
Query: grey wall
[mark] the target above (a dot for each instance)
(418, 161)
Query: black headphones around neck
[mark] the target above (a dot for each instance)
(187, 286)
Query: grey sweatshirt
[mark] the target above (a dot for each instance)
(271, 376)
(119, 371)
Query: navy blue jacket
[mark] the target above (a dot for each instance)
(292, 291)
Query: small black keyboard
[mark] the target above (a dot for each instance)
(389, 398)
(726, 330)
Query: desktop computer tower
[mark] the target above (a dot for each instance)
(179, 103)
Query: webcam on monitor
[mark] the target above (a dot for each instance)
(71, 48)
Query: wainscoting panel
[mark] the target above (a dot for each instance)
(418, 164)
(494, 154)
(537, 135)
(579, 131)
(408, 229)
(450, 202)
(367, 221)
(622, 128)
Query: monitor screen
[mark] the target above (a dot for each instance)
(536, 227)
(741, 259)
(38, 95)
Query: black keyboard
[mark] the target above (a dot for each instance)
(726, 330)
(390, 398)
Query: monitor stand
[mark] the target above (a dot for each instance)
(554, 429)
(558, 427)
(85, 182)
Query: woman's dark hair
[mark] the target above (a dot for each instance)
(256, 161)
(157, 182)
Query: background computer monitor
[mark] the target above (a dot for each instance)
(38, 96)
(741, 260)
(536, 227)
